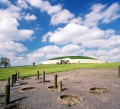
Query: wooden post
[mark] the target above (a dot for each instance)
(8, 80)
(7, 94)
(38, 74)
(12, 80)
(43, 78)
(60, 86)
(55, 81)
(16, 76)
(119, 71)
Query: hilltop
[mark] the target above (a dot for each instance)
(73, 57)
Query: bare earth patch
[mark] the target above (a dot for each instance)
(89, 89)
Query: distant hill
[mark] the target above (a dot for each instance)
(73, 57)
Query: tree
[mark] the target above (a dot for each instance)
(34, 63)
(4, 61)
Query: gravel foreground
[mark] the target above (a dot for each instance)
(76, 82)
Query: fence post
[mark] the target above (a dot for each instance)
(55, 81)
(16, 76)
(12, 80)
(8, 80)
(38, 74)
(119, 71)
(7, 94)
(60, 86)
(43, 78)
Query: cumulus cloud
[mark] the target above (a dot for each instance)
(12, 50)
(83, 35)
(77, 34)
(11, 36)
(9, 23)
(58, 15)
(52, 51)
(84, 32)
(95, 42)
(22, 4)
(104, 13)
(6, 46)
(30, 17)
(63, 16)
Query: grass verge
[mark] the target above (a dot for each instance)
(26, 71)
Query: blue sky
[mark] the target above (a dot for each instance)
(37, 30)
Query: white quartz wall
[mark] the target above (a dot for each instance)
(73, 61)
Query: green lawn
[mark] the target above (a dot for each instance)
(26, 71)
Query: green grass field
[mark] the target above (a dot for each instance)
(26, 71)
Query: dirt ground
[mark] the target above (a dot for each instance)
(76, 82)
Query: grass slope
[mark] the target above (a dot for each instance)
(73, 57)
(32, 70)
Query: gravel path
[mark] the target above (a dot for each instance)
(76, 82)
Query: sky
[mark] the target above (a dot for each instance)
(37, 30)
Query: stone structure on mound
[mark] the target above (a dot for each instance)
(72, 61)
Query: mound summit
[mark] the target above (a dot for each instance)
(73, 57)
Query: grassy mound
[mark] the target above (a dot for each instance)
(73, 57)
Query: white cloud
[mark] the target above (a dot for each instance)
(77, 20)
(74, 33)
(42, 53)
(102, 13)
(6, 46)
(71, 49)
(35, 3)
(52, 51)
(30, 17)
(111, 13)
(93, 41)
(5, 2)
(12, 50)
(58, 15)
(11, 36)
(9, 23)
(63, 16)
(54, 9)
(22, 4)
